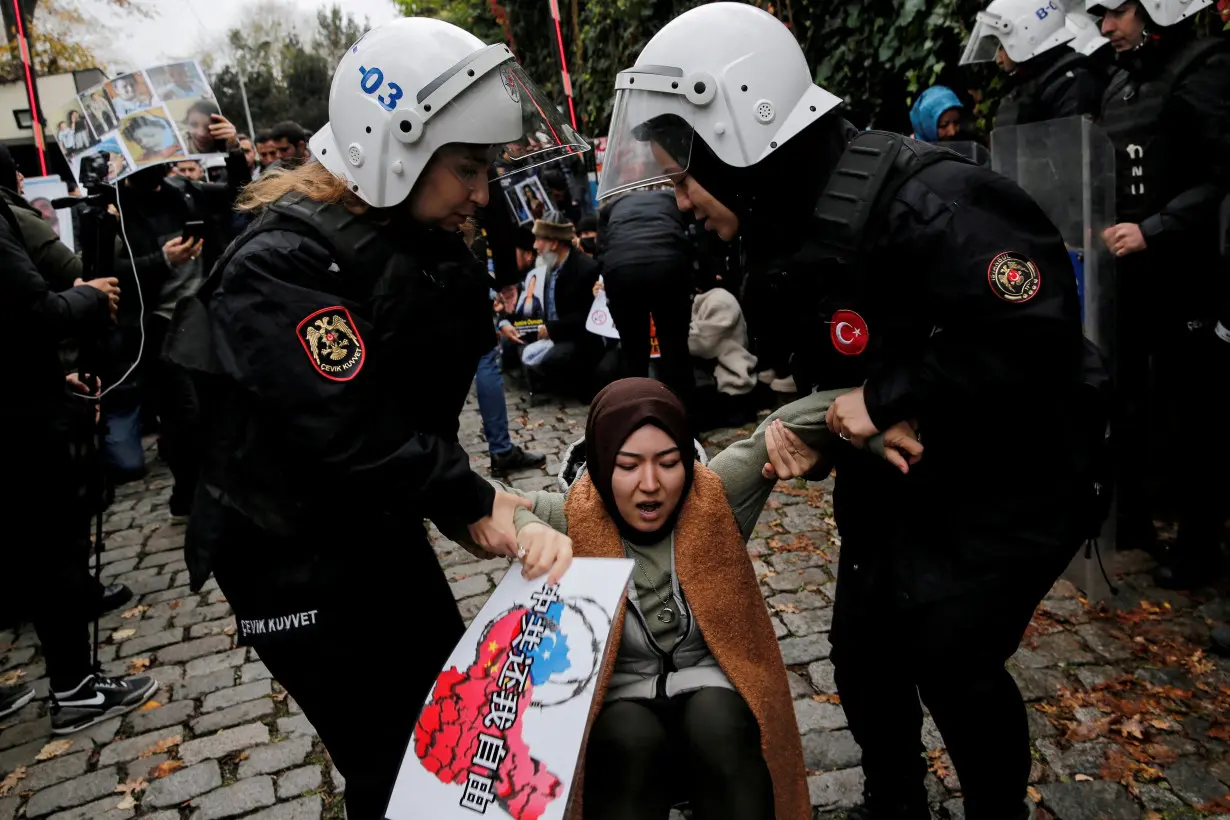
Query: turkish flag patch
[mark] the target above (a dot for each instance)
(849, 333)
(1014, 278)
(331, 340)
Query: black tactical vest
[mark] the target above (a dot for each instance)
(1149, 152)
(1023, 104)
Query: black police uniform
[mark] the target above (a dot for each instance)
(1167, 111)
(950, 296)
(1056, 84)
(333, 354)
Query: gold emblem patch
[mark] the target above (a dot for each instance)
(1013, 278)
(332, 342)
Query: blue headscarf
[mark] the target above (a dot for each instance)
(928, 108)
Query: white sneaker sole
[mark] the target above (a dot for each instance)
(110, 713)
(20, 702)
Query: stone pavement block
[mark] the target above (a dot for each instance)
(276, 756)
(217, 597)
(1091, 676)
(797, 600)
(226, 698)
(822, 676)
(182, 785)
(73, 793)
(166, 675)
(799, 687)
(190, 650)
(1104, 644)
(299, 781)
(182, 578)
(808, 622)
(41, 775)
(1097, 800)
(164, 543)
(8, 807)
(836, 790)
(147, 626)
(297, 725)
(121, 751)
(17, 657)
(25, 733)
(105, 809)
(166, 715)
(470, 607)
(175, 568)
(794, 561)
(140, 646)
(476, 568)
(172, 609)
(805, 650)
(233, 716)
(1191, 780)
(169, 814)
(305, 808)
(253, 671)
(115, 568)
(201, 614)
(829, 751)
(813, 716)
(1038, 683)
(244, 796)
(1059, 648)
(173, 594)
(223, 743)
(222, 626)
(215, 663)
(779, 629)
(113, 555)
(137, 575)
(160, 559)
(468, 587)
(339, 782)
(1079, 758)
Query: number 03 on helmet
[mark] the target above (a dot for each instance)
(413, 85)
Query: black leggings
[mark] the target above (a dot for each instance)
(645, 756)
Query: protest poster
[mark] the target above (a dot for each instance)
(533, 197)
(501, 732)
(39, 192)
(601, 323)
(143, 118)
(528, 314)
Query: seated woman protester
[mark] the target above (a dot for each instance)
(694, 705)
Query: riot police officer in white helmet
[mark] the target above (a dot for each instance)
(333, 347)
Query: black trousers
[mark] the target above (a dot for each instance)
(703, 747)
(951, 655)
(568, 367)
(663, 289)
(174, 395)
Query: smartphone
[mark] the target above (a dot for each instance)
(193, 230)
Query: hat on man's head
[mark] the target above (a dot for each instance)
(555, 228)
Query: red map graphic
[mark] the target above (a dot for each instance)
(446, 737)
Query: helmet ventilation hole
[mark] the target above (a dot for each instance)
(764, 112)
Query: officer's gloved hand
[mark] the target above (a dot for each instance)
(496, 533)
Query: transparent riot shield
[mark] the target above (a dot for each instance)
(970, 150)
(1068, 167)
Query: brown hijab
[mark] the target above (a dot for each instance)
(622, 408)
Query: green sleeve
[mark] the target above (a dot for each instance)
(548, 509)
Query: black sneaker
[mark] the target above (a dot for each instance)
(514, 460)
(95, 700)
(13, 698)
(181, 507)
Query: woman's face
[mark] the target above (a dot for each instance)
(648, 479)
(126, 89)
(949, 124)
(148, 137)
(691, 197)
(198, 126)
(452, 187)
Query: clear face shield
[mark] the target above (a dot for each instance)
(984, 41)
(546, 135)
(650, 139)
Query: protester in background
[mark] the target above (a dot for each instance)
(936, 114)
(717, 339)
(289, 140)
(266, 149)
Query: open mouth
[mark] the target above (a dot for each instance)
(649, 510)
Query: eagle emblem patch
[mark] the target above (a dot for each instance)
(1013, 278)
(332, 343)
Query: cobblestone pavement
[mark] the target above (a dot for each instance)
(1130, 721)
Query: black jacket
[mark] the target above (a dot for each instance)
(1056, 84)
(966, 303)
(642, 227)
(574, 295)
(333, 355)
(39, 319)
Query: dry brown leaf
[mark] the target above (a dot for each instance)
(1134, 727)
(936, 764)
(150, 705)
(1083, 778)
(14, 777)
(54, 749)
(11, 677)
(279, 696)
(129, 789)
(138, 665)
(135, 612)
(164, 745)
(242, 757)
(164, 769)
(826, 698)
(230, 630)
(1034, 794)
(122, 634)
(175, 605)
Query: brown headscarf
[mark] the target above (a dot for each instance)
(622, 408)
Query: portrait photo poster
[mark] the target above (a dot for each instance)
(40, 192)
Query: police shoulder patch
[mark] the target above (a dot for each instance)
(1013, 277)
(331, 340)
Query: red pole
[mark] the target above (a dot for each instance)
(34, 114)
(563, 61)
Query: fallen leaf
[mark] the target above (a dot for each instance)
(15, 776)
(230, 630)
(138, 665)
(135, 612)
(54, 749)
(1034, 794)
(936, 764)
(129, 789)
(175, 605)
(122, 634)
(242, 757)
(10, 678)
(150, 705)
(1133, 727)
(826, 698)
(164, 769)
(1083, 778)
(164, 745)
(279, 696)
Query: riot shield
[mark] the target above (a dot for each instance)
(1068, 167)
(969, 149)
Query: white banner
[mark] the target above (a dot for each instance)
(600, 320)
(501, 732)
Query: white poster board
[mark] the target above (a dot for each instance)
(600, 320)
(501, 732)
(39, 192)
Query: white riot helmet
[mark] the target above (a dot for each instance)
(728, 72)
(1025, 28)
(1162, 12)
(412, 85)
(1087, 33)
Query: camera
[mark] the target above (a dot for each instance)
(94, 170)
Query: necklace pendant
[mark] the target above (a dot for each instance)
(667, 615)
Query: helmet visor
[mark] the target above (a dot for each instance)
(650, 141)
(983, 43)
(545, 133)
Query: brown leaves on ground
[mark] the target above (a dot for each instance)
(163, 769)
(11, 677)
(1035, 796)
(826, 698)
(937, 764)
(797, 543)
(150, 705)
(53, 749)
(161, 747)
(138, 665)
(175, 605)
(129, 789)
(135, 612)
(122, 634)
(9, 783)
